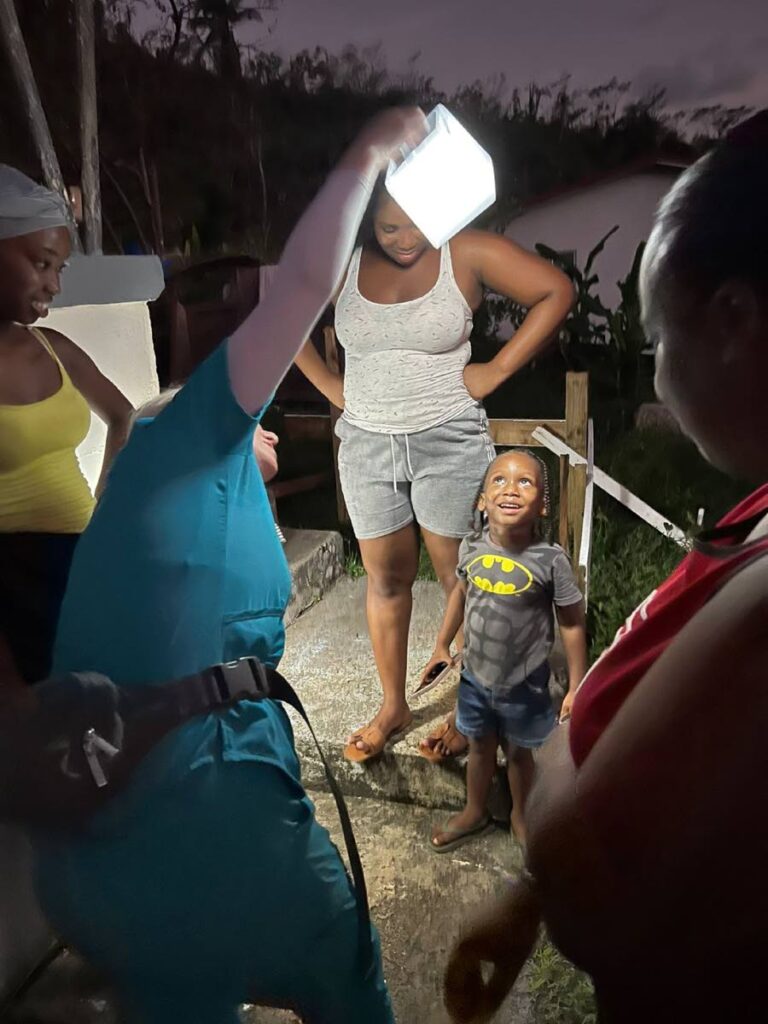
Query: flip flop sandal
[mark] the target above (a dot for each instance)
(440, 672)
(461, 836)
(434, 756)
(376, 739)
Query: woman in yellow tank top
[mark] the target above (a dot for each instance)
(48, 388)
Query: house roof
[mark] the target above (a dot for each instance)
(655, 163)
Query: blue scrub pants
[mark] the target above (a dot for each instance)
(225, 890)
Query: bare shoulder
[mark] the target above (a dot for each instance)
(730, 627)
(68, 351)
(490, 254)
(471, 243)
(60, 342)
(745, 594)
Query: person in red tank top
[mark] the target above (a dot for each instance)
(648, 821)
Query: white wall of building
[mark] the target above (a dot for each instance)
(580, 219)
(118, 337)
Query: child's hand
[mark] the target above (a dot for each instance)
(567, 706)
(441, 657)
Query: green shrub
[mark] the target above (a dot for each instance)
(630, 558)
(352, 564)
(666, 470)
(628, 562)
(560, 993)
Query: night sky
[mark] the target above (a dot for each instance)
(703, 51)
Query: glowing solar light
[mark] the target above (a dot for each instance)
(445, 182)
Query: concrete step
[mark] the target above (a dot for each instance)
(328, 660)
(420, 901)
(316, 560)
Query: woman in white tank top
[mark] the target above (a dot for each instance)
(414, 435)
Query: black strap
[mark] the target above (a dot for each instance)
(167, 706)
(282, 690)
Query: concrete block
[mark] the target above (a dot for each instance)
(316, 560)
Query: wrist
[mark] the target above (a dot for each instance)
(365, 159)
(499, 371)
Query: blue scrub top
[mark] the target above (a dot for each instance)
(180, 566)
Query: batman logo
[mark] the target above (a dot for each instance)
(498, 574)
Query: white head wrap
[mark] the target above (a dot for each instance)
(26, 206)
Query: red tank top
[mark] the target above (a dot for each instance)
(656, 622)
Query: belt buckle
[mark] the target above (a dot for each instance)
(241, 680)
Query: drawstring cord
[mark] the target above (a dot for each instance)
(408, 456)
(394, 459)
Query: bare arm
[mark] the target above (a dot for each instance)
(451, 624)
(529, 280)
(573, 631)
(266, 343)
(316, 370)
(453, 618)
(107, 401)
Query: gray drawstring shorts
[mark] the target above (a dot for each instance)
(431, 476)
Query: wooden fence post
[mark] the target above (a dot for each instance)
(89, 124)
(576, 416)
(332, 359)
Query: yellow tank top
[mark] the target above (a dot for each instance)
(42, 488)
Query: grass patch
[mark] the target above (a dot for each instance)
(560, 993)
(629, 560)
(353, 567)
(425, 571)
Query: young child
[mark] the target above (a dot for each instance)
(508, 580)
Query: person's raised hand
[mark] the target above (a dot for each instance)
(387, 134)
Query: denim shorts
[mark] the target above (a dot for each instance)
(432, 476)
(521, 715)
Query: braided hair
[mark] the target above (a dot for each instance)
(542, 527)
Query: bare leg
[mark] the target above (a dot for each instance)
(480, 768)
(444, 554)
(520, 771)
(391, 563)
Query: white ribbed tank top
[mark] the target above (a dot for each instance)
(405, 360)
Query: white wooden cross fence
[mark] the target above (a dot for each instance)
(596, 476)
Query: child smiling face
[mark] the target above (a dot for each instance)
(513, 492)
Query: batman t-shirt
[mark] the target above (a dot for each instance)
(509, 623)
